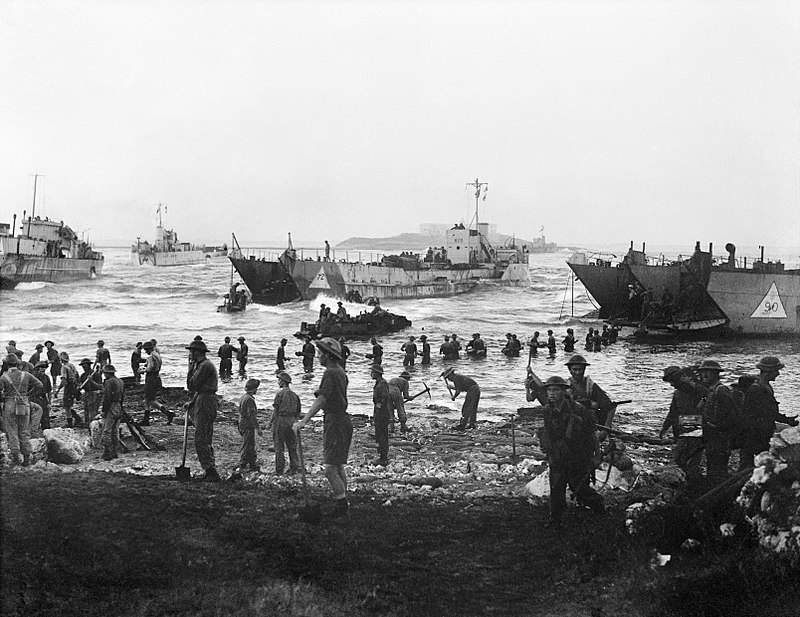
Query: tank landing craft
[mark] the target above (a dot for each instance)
(362, 326)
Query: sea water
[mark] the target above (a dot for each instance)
(130, 303)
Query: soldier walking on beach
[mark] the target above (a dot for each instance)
(152, 385)
(686, 422)
(337, 433)
(102, 355)
(718, 421)
(286, 406)
(570, 441)
(382, 413)
(248, 426)
(226, 354)
(280, 357)
(462, 383)
(761, 412)
(113, 394)
(242, 355)
(14, 387)
(202, 385)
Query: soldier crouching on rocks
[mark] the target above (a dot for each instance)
(570, 441)
(14, 387)
(113, 393)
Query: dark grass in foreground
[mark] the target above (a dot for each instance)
(113, 544)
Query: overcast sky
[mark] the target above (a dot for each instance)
(603, 121)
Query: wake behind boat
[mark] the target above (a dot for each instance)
(45, 251)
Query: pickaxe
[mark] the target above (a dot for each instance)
(449, 389)
(426, 390)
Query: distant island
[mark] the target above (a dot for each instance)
(421, 242)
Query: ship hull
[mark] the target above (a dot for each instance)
(757, 304)
(267, 280)
(168, 258)
(17, 269)
(607, 285)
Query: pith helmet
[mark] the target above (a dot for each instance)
(252, 384)
(109, 368)
(447, 372)
(198, 345)
(671, 372)
(555, 380)
(577, 359)
(284, 376)
(330, 346)
(770, 363)
(710, 365)
(376, 368)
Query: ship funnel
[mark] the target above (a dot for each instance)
(731, 248)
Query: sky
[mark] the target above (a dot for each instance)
(601, 121)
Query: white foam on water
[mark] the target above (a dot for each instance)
(32, 286)
(275, 310)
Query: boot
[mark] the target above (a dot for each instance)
(211, 475)
(404, 428)
(146, 420)
(69, 421)
(26, 459)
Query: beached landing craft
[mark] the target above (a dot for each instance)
(45, 251)
(467, 259)
(701, 295)
(167, 251)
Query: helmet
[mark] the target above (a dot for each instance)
(330, 346)
(284, 376)
(376, 368)
(577, 359)
(770, 363)
(252, 384)
(710, 365)
(12, 360)
(555, 380)
(85, 361)
(64, 355)
(109, 368)
(198, 345)
(671, 372)
(405, 375)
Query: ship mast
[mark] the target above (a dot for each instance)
(33, 209)
(478, 185)
(160, 205)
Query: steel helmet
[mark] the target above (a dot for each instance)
(330, 346)
(555, 380)
(577, 359)
(770, 363)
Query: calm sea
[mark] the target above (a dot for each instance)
(129, 303)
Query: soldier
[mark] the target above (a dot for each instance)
(761, 412)
(569, 341)
(584, 391)
(248, 426)
(152, 384)
(102, 355)
(456, 345)
(54, 358)
(345, 352)
(14, 387)
(446, 350)
(308, 352)
(36, 355)
(91, 382)
(287, 411)
(113, 394)
(69, 382)
(337, 433)
(410, 349)
(686, 422)
(202, 385)
(462, 383)
(508, 348)
(377, 351)
(719, 416)
(136, 361)
(426, 350)
(476, 347)
(551, 343)
(382, 413)
(241, 354)
(42, 396)
(280, 357)
(398, 394)
(570, 441)
(226, 358)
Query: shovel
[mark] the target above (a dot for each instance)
(310, 513)
(183, 473)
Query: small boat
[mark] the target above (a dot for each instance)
(45, 251)
(374, 323)
(168, 251)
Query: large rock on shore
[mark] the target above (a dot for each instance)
(65, 446)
